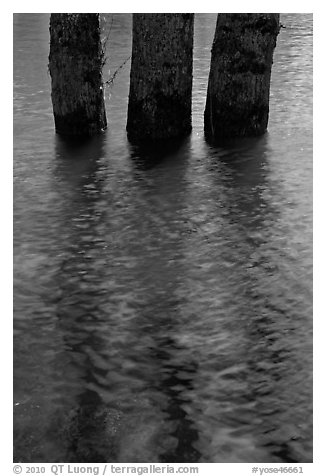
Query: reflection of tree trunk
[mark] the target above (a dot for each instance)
(161, 76)
(75, 64)
(237, 102)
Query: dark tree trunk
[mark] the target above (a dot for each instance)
(160, 77)
(237, 103)
(75, 64)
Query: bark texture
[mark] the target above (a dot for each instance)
(237, 103)
(161, 77)
(75, 64)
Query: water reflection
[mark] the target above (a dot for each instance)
(147, 156)
(263, 318)
(163, 297)
(158, 324)
(79, 279)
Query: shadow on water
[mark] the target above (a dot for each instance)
(269, 323)
(169, 372)
(71, 297)
(147, 156)
(77, 158)
(177, 383)
(79, 280)
(166, 365)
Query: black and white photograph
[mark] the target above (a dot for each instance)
(162, 240)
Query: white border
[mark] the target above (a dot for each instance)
(317, 468)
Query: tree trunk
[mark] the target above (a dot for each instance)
(161, 77)
(75, 64)
(237, 103)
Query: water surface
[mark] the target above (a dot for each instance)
(162, 299)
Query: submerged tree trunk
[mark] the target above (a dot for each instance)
(237, 103)
(160, 77)
(75, 64)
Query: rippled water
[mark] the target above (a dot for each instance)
(162, 299)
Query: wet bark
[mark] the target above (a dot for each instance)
(161, 77)
(75, 65)
(237, 103)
